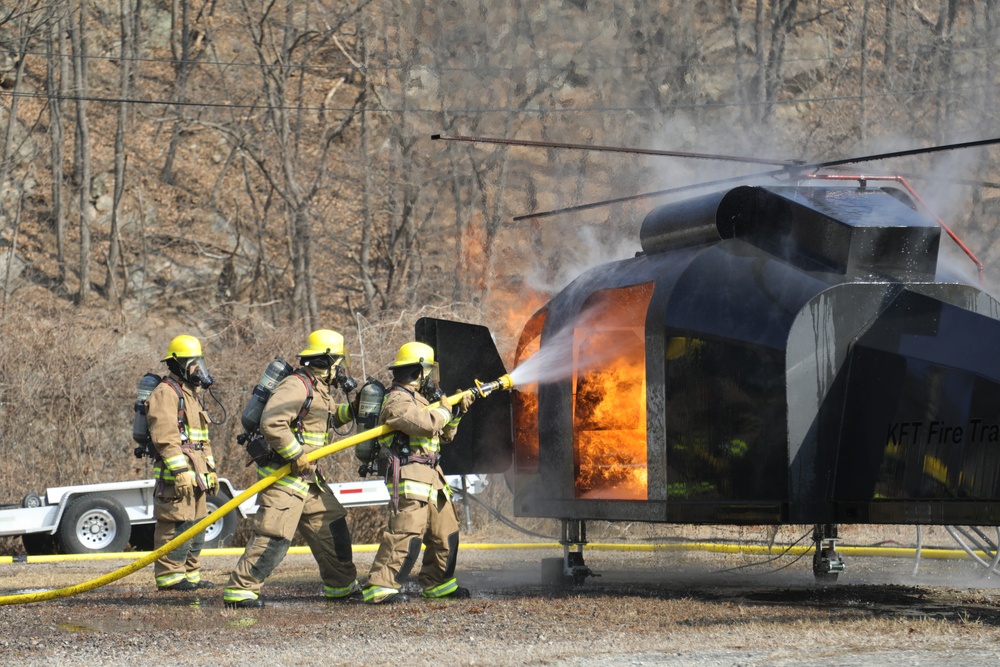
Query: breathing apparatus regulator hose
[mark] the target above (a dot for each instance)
(138, 564)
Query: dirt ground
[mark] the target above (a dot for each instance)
(676, 608)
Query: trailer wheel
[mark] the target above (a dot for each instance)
(220, 533)
(94, 524)
(32, 500)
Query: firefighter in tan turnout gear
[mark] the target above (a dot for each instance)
(183, 466)
(295, 421)
(421, 509)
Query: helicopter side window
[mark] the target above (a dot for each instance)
(726, 439)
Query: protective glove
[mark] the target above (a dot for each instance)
(467, 399)
(212, 482)
(184, 484)
(300, 465)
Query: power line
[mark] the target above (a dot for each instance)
(575, 66)
(508, 110)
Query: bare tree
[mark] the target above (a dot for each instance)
(286, 40)
(187, 47)
(127, 46)
(56, 76)
(772, 22)
(78, 39)
(26, 20)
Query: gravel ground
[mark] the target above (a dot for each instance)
(675, 608)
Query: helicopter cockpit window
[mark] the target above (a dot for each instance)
(726, 438)
(609, 406)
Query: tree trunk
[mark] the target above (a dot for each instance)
(5, 158)
(55, 88)
(889, 55)
(183, 57)
(125, 75)
(863, 76)
(82, 145)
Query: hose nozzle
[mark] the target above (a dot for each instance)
(484, 389)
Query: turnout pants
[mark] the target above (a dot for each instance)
(173, 516)
(322, 522)
(435, 524)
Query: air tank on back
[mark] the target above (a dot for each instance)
(273, 374)
(140, 424)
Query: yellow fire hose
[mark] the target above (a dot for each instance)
(481, 390)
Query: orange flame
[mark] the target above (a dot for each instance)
(610, 422)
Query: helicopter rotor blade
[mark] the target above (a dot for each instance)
(614, 149)
(648, 195)
(790, 167)
(903, 153)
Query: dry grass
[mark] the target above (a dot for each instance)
(674, 609)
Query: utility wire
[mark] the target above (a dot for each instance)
(508, 110)
(576, 67)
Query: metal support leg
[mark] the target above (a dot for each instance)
(827, 563)
(574, 538)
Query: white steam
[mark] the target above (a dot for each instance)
(555, 360)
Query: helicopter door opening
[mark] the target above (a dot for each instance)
(524, 400)
(609, 396)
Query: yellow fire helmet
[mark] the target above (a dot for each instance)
(418, 354)
(183, 347)
(411, 354)
(324, 341)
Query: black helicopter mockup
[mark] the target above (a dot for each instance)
(781, 354)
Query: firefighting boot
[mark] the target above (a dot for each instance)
(351, 593)
(237, 598)
(449, 590)
(380, 594)
(195, 578)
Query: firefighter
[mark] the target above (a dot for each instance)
(421, 509)
(295, 421)
(183, 466)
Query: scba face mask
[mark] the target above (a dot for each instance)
(325, 367)
(430, 382)
(343, 380)
(197, 373)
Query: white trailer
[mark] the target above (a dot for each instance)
(105, 518)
